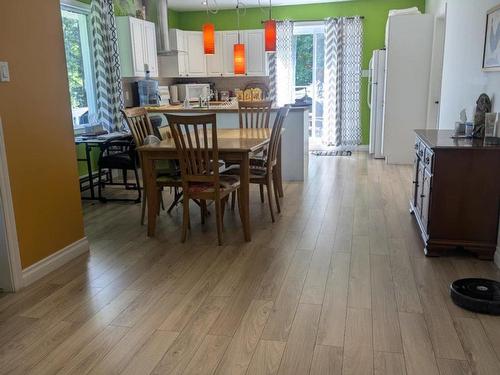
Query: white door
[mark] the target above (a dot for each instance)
(215, 62)
(149, 40)
(436, 79)
(138, 53)
(229, 39)
(196, 63)
(255, 53)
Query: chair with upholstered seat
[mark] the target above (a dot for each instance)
(195, 139)
(262, 169)
(168, 174)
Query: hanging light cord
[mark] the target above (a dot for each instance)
(215, 9)
(240, 4)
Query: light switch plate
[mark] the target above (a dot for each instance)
(4, 71)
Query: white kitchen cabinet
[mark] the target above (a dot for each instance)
(189, 59)
(215, 62)
(255, 52)
(196, 60)
(137, 47)
(175, 64)
(229, 39)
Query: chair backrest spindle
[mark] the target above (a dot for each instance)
(254, 114)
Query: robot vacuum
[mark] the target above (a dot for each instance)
(478, 295)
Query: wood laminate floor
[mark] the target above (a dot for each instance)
(338, 285)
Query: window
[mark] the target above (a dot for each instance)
(79, 62)
(309, 44)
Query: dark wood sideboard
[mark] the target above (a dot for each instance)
(456, 193)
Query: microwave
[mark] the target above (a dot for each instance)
(193, 91)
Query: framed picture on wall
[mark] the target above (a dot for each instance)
(491, 55)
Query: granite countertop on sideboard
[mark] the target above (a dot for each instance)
(444, 139)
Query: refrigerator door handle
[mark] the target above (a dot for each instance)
(370, 79)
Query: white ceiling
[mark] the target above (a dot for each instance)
(186, 5)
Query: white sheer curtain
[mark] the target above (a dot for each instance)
(343, 49)
(282, 65)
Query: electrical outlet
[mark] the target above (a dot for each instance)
(4, 71)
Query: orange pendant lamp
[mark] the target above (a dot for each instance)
(240, 66)
(270, 32)
(209, 38)
(239, 59)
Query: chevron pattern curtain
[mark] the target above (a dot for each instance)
(343, 49)
(106, 64)
(284, 77)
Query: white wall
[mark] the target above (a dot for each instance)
(435, 7)
(463, 79)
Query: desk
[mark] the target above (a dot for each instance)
(234, 145)
(102, 144)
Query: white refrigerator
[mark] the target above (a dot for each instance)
(406, 92)
(376, 102)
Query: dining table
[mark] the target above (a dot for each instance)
(235, 145)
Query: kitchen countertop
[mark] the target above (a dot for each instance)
(217, 109)
(443, 139)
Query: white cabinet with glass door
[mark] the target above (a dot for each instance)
(137, 47)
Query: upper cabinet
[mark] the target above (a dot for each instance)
(196, 61)
(215, 62)
(255, 52)
(191, 61)
(229, 39)
(137, 47)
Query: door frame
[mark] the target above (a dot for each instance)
(13, 257)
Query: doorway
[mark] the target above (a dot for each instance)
(309, 49)
(436, 74)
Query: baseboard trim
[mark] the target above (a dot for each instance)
(54, 261)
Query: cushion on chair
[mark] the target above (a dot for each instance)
(226, 182)
(255, 171)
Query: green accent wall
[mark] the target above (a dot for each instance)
(374, 11)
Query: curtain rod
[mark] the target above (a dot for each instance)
(323, 19)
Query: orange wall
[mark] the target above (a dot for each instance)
(36, 116)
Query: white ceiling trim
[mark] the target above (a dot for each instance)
(193, 5)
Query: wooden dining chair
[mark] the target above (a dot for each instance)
(168, 174)
(262, 170)
(254, 114)
(195, 139)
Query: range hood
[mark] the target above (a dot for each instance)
(161, 21)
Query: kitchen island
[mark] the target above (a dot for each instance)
(295, 140)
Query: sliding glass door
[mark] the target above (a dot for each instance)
(309, 43)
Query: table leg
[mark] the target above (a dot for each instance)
(149, 182)
(89, 171)
(245, 196)
(277, 170)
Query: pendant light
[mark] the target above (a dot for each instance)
(239, 48)
(270, 32)
(209, 31)
(209, 38)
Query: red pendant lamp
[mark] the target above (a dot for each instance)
(209, 30)
(209, 38)
(239, 59)
(240, 66)
(270, 32)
